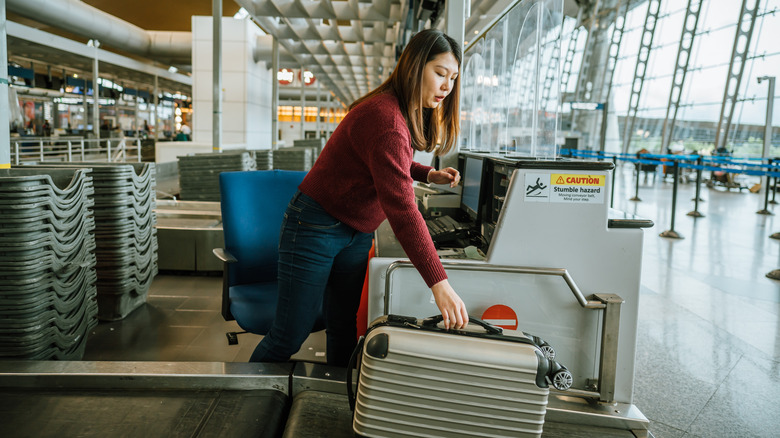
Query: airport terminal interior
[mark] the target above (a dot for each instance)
(615, 219)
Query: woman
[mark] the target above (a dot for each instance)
(364, 174)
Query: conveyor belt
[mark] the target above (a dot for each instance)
(318, 414)
(134, 413)
(204, 399)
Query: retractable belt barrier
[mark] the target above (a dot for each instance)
(747, 165)
(764, 168)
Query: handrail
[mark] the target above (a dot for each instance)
(610, 303)
(584, 302)
(70, 148)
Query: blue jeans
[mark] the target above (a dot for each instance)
(322, 265)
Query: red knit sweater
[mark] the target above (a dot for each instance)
(365, 173)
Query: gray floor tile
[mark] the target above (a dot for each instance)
(664, 392)
(660, 430)
(746, 404)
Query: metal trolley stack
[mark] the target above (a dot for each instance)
(125, 232)
(317, 143)
(264, 159)
(295, 158)
(47, 263)
(199, 173)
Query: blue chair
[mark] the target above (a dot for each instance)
(253, 205)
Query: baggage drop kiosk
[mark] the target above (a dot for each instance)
(560, 264)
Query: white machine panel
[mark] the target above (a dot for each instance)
(567, 229)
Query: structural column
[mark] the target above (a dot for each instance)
(640, 69)
(95, 92)
(216, 71)
(329, 128)
(275, 96)
(739, 53)
(303, 102)
(770, 102)
(319, 108)
(5, 131)
(86, 108)
(137, 119)
(156, 113)
(690, 22)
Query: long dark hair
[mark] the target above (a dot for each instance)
(429, 125)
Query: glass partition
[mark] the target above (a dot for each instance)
(511, 83)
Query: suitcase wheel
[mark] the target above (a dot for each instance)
(562, 380)
(548, 351)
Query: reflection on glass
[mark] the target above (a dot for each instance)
(511, 83)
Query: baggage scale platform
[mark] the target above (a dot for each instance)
(213, 399)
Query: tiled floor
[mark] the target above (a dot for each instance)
(708, 354)
(181, 321)
(708, 360)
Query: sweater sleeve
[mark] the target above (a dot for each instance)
(419, 172)
(390, 163)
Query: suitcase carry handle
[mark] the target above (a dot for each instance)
(489, 328)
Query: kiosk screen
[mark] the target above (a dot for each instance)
(472, 177)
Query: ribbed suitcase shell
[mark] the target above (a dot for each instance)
(440, 384)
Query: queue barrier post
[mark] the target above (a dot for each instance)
(774, 188)
(699, 176)
(695, 213)
(670, 233)
(765, 210)
(636, 190)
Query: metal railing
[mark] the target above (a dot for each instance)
(43, 149)
(610, 324)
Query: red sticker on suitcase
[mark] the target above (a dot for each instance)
(501, 316)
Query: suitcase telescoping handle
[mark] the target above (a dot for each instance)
(489, 328)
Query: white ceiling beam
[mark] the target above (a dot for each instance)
(378, 10)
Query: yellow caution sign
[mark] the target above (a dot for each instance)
(578, 180)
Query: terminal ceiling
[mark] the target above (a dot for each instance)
(350, 45)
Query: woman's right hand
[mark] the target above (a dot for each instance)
(452, 308)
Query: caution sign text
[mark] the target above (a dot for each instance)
(577, 188)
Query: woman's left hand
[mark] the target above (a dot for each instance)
(447, 175)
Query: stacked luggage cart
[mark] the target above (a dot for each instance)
(47, 263)
(317, 143)
(264, 159)
(125, 232)
(294, 158)
(199, 173)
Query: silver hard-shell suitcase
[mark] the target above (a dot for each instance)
(417, 379)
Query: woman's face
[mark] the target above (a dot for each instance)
(439, 77)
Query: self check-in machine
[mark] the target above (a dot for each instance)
(543, 253)
(533, 244)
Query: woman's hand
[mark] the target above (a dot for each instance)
(450, 305)
(447, 175)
